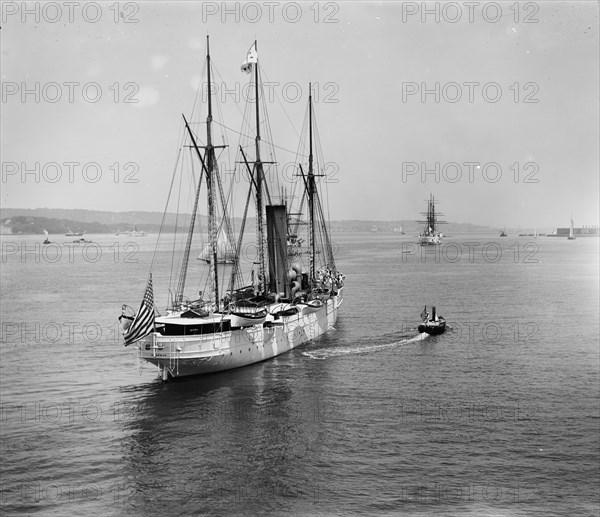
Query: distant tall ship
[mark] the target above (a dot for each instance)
(225, 250)
(71, 233)
(430, 236)
(571, 236)
(257, 307)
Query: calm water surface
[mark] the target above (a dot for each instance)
(499, 416)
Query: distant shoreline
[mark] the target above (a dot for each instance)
(56, 221)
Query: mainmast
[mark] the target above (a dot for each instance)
(259, 187)
(431, 214)
(210, 158)
(311, 188)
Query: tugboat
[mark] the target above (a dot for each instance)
(433, 325)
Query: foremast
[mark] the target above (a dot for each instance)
(208, 167)
(259, 187)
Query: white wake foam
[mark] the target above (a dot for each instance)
(321, 354)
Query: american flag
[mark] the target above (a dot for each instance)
(143, 323)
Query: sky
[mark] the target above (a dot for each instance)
(493, 108)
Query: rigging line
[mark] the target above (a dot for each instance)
(236, 104)
(162, 222)
(301, 144)
(225, 218)
(176, 227)
(262, 140)
(198, 92)
(325, 234)
(185, 258)
(322, 163)
(282, 107)
(235, 273)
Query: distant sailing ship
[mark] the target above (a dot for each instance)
(503, 233)
(225, 250)
(571, 236)
(71, 233)
(46, 240)
(284, 300)
(430, 235)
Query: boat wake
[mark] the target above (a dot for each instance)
(320, 354)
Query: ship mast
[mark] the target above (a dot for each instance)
(208, 168)
(311, 188)
(210, 155)
(431, 215)
(259, 188)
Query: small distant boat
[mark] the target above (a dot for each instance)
(82, 241)
(433, 324)
(46, 240)
(71, 233)
(503, 233)
(133, 233)
(571, 236)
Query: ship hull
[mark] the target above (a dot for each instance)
(182, 356)
(430, 240)
(433, 328)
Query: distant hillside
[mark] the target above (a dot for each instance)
(57, 220)
(90, 216)
(23, 225)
